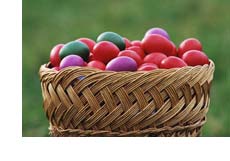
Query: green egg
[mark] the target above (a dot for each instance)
(112, 37)
(75, 48)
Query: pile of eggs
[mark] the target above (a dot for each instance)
(116, 53)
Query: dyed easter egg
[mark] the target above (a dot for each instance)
(112, 37)
(96, 64)
(104, 51)
(75, 48)
(54, 55)
(71, 60)
(138, 50)
(89, 42)
(154, 58)
(158, 31)
(131, 54)
(147, 67)
(172, 62)
(189, 44)
(195, 57)
(157, 43)
(122, 63)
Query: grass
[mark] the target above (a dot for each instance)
(47, 23)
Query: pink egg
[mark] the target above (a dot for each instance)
(122, 63)
(71, 60)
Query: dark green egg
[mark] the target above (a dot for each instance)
(75, 48)
(112, 37)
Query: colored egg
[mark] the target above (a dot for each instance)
(90, 57)
(154, 58)
(158, 31)
(172, 62)
(122, 63)
(195, 57)
(174, 52)
(71, 60)
(75, 48)
(136, 43)
(96, 64)
(85, 64)
(147, 67)
(189, 44)
(138, 50)
(127, 42)
(157, 43)
(89, 42)
(104, 51)
(131, 54)
(54, 55)
(112, 37)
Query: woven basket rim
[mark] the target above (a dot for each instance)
(45, 67)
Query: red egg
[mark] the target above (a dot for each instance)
(157, 43)
(136, 43)
(97, 64)
(54, 55)
(127, 42)
(195, 57)
(85, 64)
(147, 67)
(89, 42)
(154, 58)
(91, 58)
(174, 52)
(172, 62)
(189, 44)
(105, 51)
(138, 50)
(131, 54)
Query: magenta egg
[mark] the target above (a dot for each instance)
(71, 60)
(122, 63)
(158, 31)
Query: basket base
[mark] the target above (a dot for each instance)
(178, 131)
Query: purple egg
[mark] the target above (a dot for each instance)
(71, 60)
(159, 31)
(122, 63)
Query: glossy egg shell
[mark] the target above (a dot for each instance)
(131, 54)
(195, 57)
(158, 31)
(122, 63)
(138, 50)
(189, 44)
(54, 55)
(104, 51)
(147, 67)
(154, 58)
(96, 64)
(112, 37)
(71, 60)
(75, 48)
(172, 62)
(89, 42)
(157, 43)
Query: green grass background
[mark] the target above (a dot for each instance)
(49, 22)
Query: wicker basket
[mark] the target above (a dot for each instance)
(82, 101)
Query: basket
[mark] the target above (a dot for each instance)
(82, 101)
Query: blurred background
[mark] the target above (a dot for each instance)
(49, 22)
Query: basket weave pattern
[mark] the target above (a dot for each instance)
(81, 101)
